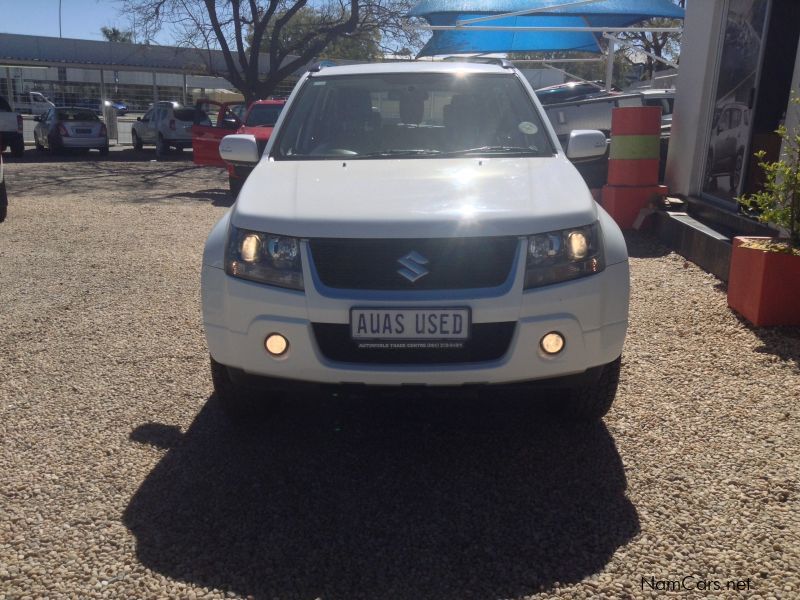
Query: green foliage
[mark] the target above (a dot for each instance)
(779, 200)
(112, 34)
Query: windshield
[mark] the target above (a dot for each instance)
(75, 114)
(399, 115)
(184, 114)
(263, 115)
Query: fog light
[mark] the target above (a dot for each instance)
(552, 343)
(276, 344)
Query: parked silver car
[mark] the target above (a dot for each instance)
(70, 128)
(165, 125)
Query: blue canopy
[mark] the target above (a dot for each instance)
(604, 13)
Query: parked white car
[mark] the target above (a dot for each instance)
(11, 130)
(34, 103)
(166, 126)
(663, 98)
(415, 224)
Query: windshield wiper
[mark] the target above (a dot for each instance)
(396, 152)
(498, 149)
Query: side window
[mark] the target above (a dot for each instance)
(147, 116)
(208, 114)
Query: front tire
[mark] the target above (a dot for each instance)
(18, 147)
(137, 141)
(235, 185)
(590, 402)
(3, 202)
(161, 146)
(104, 151)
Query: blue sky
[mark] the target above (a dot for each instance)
(79, 18)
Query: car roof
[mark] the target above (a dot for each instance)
(422, 66)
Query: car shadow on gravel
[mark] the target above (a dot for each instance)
(117, 154)
(643, 245)
(216, 196)
(388, 497)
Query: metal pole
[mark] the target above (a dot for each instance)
(568, 74)
(575, 28)
(610, 65)
(155, 89)
(10, 89)
(184, 89)
(59, 18)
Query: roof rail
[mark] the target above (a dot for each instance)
(486, 60)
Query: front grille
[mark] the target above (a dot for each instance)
(488, 341)
(452, 263)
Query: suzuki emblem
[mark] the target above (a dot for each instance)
(413, 267)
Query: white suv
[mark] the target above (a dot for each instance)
(165, 125)
(415, 224)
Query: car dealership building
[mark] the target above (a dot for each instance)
(740, 64)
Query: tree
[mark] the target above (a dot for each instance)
(364, 44)
(241, 29)
(112, 34)
(663, 45)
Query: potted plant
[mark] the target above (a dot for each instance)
(764, 281)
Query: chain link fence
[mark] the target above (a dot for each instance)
(118, 97)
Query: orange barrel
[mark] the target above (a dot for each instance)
(624, 203)
(635, 146)
(633, 163)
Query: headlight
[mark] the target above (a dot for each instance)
(264, 257)
(563, 255)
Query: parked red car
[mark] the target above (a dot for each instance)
(215, 120)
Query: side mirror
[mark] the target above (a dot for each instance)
(138, 118)
(586, 143)
(37, 118)
(239, 149)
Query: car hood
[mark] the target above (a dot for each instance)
(260, 133)
(407, 198)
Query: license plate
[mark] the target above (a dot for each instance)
(409, 324)
(82, 130)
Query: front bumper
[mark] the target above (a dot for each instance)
(84, 142)
(590, 312)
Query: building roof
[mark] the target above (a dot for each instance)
(35, 50)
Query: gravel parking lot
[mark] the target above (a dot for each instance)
(119, 476)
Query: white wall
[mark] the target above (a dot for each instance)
(793, 110)
(693, 99)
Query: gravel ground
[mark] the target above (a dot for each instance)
(119, 477)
